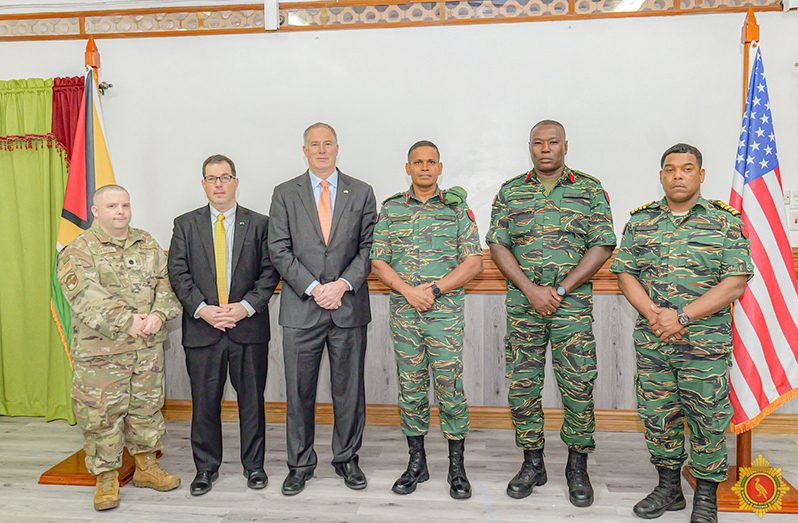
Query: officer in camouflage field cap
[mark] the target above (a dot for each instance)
(682, 261)
(551, 230)
(426, 248)
(114, 278)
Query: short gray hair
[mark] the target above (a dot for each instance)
(316, 126)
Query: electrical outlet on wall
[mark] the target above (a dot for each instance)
(793, 220)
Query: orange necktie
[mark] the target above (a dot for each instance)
(325, 211)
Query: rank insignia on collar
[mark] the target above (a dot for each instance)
(528, 176)
(470, 214)
(571, 176)
(760, 488)
(607, 197)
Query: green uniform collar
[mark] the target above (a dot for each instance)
(567, 176)
(700, 205)
(411, 194)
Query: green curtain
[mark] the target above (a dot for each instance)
(35, 373)
(26, 107)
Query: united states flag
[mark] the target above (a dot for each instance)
(765, 325)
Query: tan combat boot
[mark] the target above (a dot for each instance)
(106, 493)
(149, 474)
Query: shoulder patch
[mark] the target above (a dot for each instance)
(720, 204)
(393, 196)
(585, 175)
(520, 177)
(645, 206)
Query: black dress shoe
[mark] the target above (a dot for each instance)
(203, 482)
(256, 479)
(295, 481)
(353, 476)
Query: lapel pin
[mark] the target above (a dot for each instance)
(346, 191)
(240, 223)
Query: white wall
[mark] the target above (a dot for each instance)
(626, 89)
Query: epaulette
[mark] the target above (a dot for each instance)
(645, 206)
(515, 178)
(400, 193)
(585, 175)
(454, 195)
(720, 204)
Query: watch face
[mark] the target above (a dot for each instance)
(684, 320)
(561, 291)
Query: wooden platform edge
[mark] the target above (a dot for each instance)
(729, 502)
(481, 417)
(72, 471)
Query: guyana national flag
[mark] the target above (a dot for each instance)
(89, 169)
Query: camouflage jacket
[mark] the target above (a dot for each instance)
(423, 242)
(106, 281)
(548, 235)
(679, 258)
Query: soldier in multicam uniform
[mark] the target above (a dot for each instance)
(426, 248)
(551, 230)
(682, 261)
(114, 277)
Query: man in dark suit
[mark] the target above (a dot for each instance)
(319, 239)
(220, 270)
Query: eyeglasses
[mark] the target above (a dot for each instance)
(225, 178)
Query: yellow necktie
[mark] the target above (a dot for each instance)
(220, 256)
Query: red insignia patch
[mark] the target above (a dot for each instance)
(470, 214)
(528, 176)
(607, 196)
(745, 230)
(571, 177)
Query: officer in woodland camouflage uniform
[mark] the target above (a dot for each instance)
(551, 230)
(114, 277)
(682, 261)
(426, 248)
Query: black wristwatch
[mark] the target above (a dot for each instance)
(561, 292)
(684, 319)
(436, 291)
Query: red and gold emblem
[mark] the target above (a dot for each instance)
(760, 488)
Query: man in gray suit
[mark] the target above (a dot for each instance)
(320, 234)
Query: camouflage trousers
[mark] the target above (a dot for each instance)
(117, 400)
(420, 342)
(673, 387)
(573, 351)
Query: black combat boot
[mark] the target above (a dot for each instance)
(459, 487)
(417, 471)
(532, 474)
(705, 502)
(667, 495)
(580, 491)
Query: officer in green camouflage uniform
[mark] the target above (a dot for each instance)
(682, 261)
(114, 278)
(551, 230)
(426, 247)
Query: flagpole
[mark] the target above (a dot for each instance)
(750, 34)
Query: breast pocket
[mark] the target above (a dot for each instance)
(575, 212)
(444, 235)
(521, 216)
(647, 250)
(400, 229)
(705, 248)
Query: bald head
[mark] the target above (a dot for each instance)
(547, 123)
